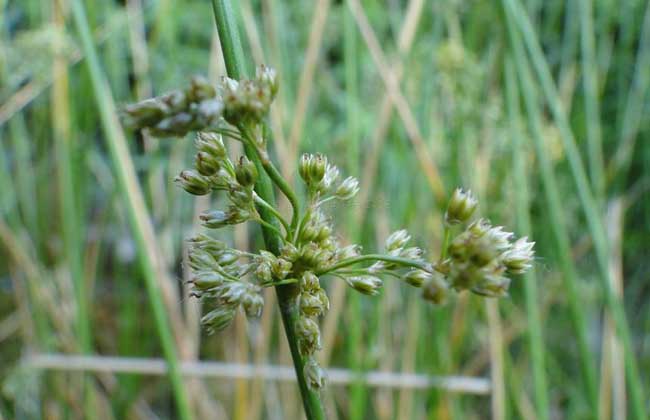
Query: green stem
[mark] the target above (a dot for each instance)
(377, 257)
(276, 177)
(272, 210)
(234, 60)
(445, 243)
(270, 226)
(138, 217)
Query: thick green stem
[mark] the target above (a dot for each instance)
(445, 243)
(234, 59)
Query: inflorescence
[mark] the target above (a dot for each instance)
(481, 258)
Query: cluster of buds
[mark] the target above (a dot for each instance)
(179, 112)
(202, 106)
(214, 171)
(478, 259)
(249, 100)
(219, 277)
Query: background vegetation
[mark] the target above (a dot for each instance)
(538, 106)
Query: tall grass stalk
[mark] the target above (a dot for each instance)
(556, 217)
(522, 204)
(236, 67)
(138, 217)
(589, 205)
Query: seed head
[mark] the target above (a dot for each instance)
(461, 207)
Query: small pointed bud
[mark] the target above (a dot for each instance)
(368, 285)
(206, 164)
(310, 305)
(461, 207)
(246, 172)
(499, 238)
(263, 272)
(348, 189)
(317, 168)
(206, 280)
(324, 300)
(280, 268)
(412, 253)
(493, 285)
(435, 289)
(232, 292)
(207, 243)
(519, 258)
(218, 319)
(253, 304)
(416, 277)
(290, 252)
(145, 113)
(308, 335)
(349, 251)
(267, 77)
(211, 143)
(228, 257)
(214, 219)
(193, 183)
(314, 375)
(330, 178)
(397, 240)
(201, 260)
(309, 282)
(304, 167)
(200, 89)
(324, 233)
(209, 112)
(479, 227)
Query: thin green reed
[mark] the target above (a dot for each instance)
(357, 401)
(138, 217)
(556, 216)
(236, 67)
(588, 203)
(522, 206)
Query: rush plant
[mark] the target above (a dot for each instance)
(304, 249)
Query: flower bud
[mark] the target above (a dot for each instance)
(493, 285)
(201, 260)
(246, 172)
(348, 188)
(308, 335)
(412, 253)
(519, 259)
(263, 272)
(314, 375)
(206, 164)
(397, 240)
(206, 280)
(200, 89)
(416, 277)
(218, 319)
(211, 143)
(267, 77)
(324, 300)
(461, 207)
(304, 167)
(207, 243)
(193, 183)
(368, 285)
(317, 168)
(145, 113)
(290, 252)
(310, 305)
(253, 304)
(232, 292)
(214, 219)
(227, 257)
(435, 289)
(309, 282)
(280, 268)
(349, 251)
(330, 178)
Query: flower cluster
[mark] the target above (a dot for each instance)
(477, 259)
(202, 106)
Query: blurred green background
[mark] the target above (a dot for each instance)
(537, 106)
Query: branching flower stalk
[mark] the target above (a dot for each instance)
(475, 255)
